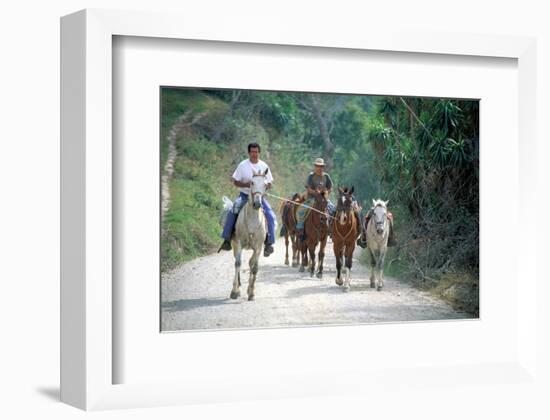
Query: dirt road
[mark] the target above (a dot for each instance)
(196, 296)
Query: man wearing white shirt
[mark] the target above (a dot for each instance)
(242, 177)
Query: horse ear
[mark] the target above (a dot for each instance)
(373, 202)
(352, 188)
(386, 203)
(340, 190)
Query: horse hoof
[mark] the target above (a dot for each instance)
(294, 264)
(302, 269)
(379, 288)
(339, 282)
(251, 297)
(372, 285)
(346, 289)
(234, 295)
(286, 262)
(319, 275)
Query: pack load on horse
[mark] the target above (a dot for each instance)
(362, 241)
(346, 226)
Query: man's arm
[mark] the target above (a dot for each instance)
(311, 190)
(268, 178)
(309, 185)
(240, 184)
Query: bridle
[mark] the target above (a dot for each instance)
(348, 211)
(254, 193)
(382, 223)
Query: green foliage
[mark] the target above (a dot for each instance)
(426, 155)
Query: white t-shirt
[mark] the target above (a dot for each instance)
(244, 172)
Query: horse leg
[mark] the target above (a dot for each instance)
(286, 248)
(237, 252)
(321, 257)
(253, 263)
(294, 250)
(338, 255)
(349, 255)
(380, 267)
(303, 252)
(311, 250)
(298, 252)
(372, 265)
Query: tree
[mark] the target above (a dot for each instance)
(323, 109)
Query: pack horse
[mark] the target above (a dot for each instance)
(378, 230)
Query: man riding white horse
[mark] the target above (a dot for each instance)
(242, 177)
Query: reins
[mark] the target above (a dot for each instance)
(300, 204)
(353, 226)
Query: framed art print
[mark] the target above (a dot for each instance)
(157, 117)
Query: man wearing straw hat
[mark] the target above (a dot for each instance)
(316, 180)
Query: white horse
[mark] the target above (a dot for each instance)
(250, 233)
(378, 230)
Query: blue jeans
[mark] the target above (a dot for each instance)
(232, 218)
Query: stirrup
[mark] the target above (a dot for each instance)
(268, 250)
(226, 246)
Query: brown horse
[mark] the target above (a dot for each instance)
(345, 228)
(288, 217)
(316, 231)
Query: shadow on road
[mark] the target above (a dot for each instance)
(188, 304)
(284, 273)
(319, 288)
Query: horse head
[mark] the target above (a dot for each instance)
(258, 187)
(380, 215)
(345, 201)
(321, 199)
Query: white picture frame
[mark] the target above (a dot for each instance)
(86, 205)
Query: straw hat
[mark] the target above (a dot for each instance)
(319, 162)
